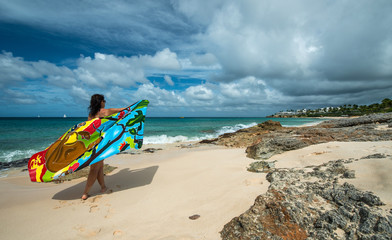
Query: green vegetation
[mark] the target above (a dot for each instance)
(344, 110)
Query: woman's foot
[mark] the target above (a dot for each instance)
(85, 196)
(106, 190)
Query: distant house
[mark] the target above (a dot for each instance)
(287, 113)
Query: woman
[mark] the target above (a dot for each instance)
(97, 110)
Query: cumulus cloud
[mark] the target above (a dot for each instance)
(168, 80)
(246, 94)
(163, 60)
(104, 69)
(199, 92)
(80, 94)
(107, 69)
(246, 90)
(159, 97)
(100, 72)
(296, 45)
(18, 97)
(15, 69)
(206, 64)
(207, 60)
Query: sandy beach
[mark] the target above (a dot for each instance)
(154, 194)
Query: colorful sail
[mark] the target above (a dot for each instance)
(89, 142)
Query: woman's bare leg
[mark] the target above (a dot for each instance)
(92, 176)
(100, 177)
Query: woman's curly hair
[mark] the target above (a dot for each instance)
(95, 104)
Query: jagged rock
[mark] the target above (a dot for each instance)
(383, 225)
(209, 141)
(377, 155)
(368, 119)
(14, 164)
(194, 217)
(245, 137)
(261, 166)
(151, 150)
(189, 145)
(269, 147)
(349, 174)
(270, 125)
(267, 219)
(371, 199)
(270, 138)
(294, 208)
(310, 204)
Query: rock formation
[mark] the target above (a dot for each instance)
(313, 202)
(270, 138)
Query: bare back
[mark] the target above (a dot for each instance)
(105, 112)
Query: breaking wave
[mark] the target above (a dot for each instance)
(163, 139)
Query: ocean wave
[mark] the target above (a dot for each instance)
(231, 129)
(163, 139)
(309, 124)
(8, 156)
(3, 173)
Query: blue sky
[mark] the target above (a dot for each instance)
(193, 57)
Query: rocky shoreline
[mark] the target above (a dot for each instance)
(270, 138)
(310, 203)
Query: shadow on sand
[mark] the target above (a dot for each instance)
(123, 180)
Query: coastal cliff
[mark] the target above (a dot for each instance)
(314, 202)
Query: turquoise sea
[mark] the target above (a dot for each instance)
(22, 137)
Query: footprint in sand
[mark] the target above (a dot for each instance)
(318, 153)
(333, 146)
(95, 199)
(117, 233)
(93, 208)
(110, 211)
(64, 204)
(84, 232)
(253, 181)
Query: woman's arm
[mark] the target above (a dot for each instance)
(110, 111)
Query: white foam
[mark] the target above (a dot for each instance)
(9, 156)
(162, 139)
(231, 129)
(304, 124)
(3, 173)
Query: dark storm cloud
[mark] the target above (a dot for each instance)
(123, 26)
(312, 47)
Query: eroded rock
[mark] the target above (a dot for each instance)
(311, 205)
(270, 138)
